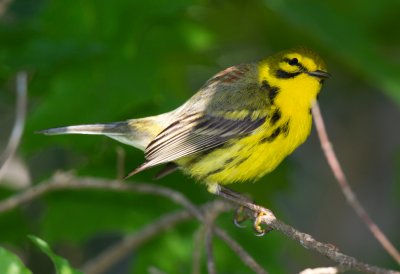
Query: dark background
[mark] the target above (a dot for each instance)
(101, 61)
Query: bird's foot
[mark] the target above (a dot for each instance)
(244, 203)
(240, 217)
(260, 231)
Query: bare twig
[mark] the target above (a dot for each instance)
(4, 4)
(154, 270)
(345, 187)
(322, 270)
(19, 124)
(239, 251)
(197, 250)
(66, 181)
(61, 181)
(209, 249)
(109, 257)
(209, 220)
(246, 258)
(307, 241)
(120, 163)
(115, 253)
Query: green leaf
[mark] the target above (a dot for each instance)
(62, 265)
(11, 264)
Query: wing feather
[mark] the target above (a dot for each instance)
(190, 136)
(198, 127)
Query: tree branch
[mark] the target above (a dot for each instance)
(19, 124)
(63, 181)
(209, 249)
(209, 219)
(349, 194)
(329, 251)
(240, 251)
(105, 260)
(109, 257)
(323, 270)
(197, 250)
(4, 4)
(120, 162)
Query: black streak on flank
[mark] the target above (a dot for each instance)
(241, 161)
(215, 171)
(286, 75)
(271, 137)
(275, 117)
(272, 91)
(286, 128)
(230, 160)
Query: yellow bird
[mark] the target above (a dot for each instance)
(239, 126)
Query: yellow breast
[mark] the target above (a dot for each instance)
(287, 126)
(252, 156)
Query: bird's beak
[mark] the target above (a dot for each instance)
(320, 74)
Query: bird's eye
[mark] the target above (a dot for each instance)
(293, 61)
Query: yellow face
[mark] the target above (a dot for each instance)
(289, 64)
(295, 62)
(294, 76)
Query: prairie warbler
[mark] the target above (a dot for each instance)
(239, 126)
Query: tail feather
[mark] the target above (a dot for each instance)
(124, 132)
(135, 132)
(142, 167)
(94, 129)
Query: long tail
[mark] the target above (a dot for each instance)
(136, 132)
(94, 129)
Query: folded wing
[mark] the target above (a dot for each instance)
(193, 134)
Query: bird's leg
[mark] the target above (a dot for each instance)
(242, 201)
(240, 217)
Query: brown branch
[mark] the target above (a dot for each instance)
(4, 4)
(63, 181)
(109, 257)
(323, 270)
(240, 251)
(154, 270)
(209, 220)
(197, 248)
(329, 251)
(120, 162)
(209, 249)
(19, 124)
(345, 186)
(105, 260)
(66, 181)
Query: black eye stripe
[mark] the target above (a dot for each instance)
(297, 64)
(284, 74)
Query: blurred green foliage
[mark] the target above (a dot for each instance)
(102, 61)
(10, 263)
(61, 265)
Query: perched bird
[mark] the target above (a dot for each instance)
(239, 126)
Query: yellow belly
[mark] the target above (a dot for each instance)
(250, 157)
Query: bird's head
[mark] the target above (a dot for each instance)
(295, 76)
